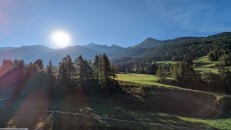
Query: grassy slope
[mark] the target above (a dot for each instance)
(34, 98)
(151, 80)
(200, 64)
(141, 78)
(203, 64)
(221, 124)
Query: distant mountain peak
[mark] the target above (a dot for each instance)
(151, 39)
(148, 43)
(114, 45)
(36, 45)
(90, 44)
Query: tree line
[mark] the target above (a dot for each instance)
(70, 74)
(183, 74)
(81, 73)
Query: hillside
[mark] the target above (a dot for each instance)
(195, 48)
(141, 106)
(151, 47)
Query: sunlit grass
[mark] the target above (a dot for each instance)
(223, 124)
(166, 62)
(142, 79)
(203, 64)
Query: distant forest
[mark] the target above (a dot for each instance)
(137, 59)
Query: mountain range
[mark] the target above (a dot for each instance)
(149, 47)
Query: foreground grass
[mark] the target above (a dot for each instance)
(220, 124)
(33, 107)
(101, 115)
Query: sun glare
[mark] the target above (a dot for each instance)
(61, 39)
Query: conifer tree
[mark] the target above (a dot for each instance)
(50, 68)
(161, 74)
(96, 70)
(66, 71)
(81, 70)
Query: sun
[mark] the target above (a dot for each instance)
(61, 39)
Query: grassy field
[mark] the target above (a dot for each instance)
(105, 114)
(142, 79)
(170, 119)
(165, 62)
(220, 124)
(34, 109)
(203, 64)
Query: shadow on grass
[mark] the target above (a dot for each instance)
(124, 110)
(128, 111)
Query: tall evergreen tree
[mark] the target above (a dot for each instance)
(89, 70)
(50, 68)
(81, 70)
(183, 72)
(161, 73)
(66, 71)
(106, 69)
(38, 64)
(96, 68)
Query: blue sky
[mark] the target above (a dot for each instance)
(121, 22)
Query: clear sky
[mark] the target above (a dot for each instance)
(121, 22)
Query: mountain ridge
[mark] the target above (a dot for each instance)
(149, 47)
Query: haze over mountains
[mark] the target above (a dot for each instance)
(31, 53)
(149, 47)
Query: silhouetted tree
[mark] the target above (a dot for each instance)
(50, 68)
(96, 68)
(66, 71)
(38, 64)
(81, 70)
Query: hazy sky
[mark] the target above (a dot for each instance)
(121, 22)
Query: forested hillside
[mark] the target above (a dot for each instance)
(181, 48)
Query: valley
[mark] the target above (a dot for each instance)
(105, 92)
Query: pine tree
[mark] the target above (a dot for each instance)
(81, 70)
(183, 72)
(49, 69)
(62, 72)
(175, 72)
(96, 67)
(106, 73)
(66, 71)
(89, 70)
(161, 74)
(38, 64)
